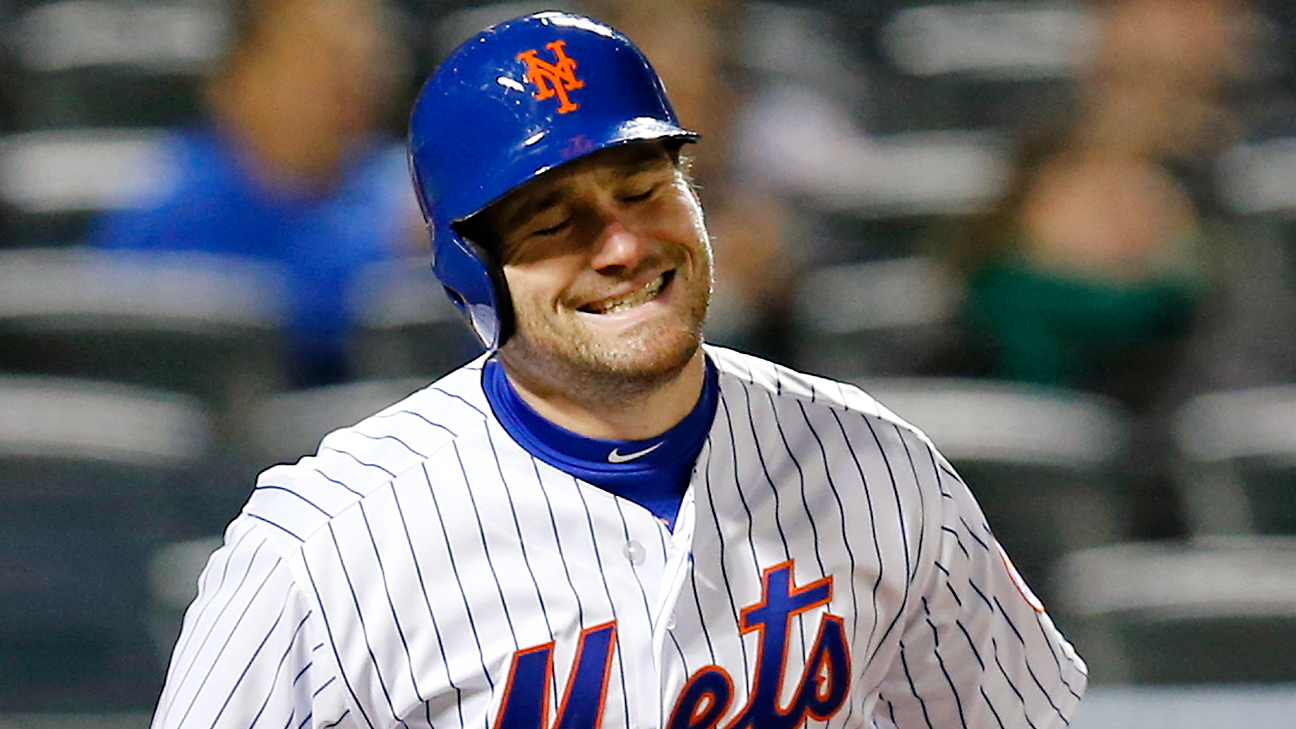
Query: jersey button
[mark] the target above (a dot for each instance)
(635, 552)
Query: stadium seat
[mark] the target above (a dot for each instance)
(288, 425)
(972, 65)
(112, 63)
(192, 323)
(93, 82)
(93, 476)
(1042, 462)
(54, 182)
(1210, 610)
(1255, 177)
(1237, 455)
(406, 326)
(881, 318)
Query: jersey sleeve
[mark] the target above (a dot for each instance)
(245, 656)
(978, 648)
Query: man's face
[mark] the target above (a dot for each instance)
(609, 267)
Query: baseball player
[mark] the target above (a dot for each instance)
(603, 522)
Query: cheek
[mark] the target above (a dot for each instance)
(696, 218)
(679, 219)
(520, 283)
(535, 285)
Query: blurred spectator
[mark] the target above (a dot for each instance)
(691, 45)
(289, 166)
(1097, 267)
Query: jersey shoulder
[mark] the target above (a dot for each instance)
(813, 391)
(298, 499)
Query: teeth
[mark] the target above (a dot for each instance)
(633, 299)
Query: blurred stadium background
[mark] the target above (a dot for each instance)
(140, 395)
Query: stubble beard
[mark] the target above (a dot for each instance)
(565, 353)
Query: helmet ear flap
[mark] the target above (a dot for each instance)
(477, 287)
(502, 315)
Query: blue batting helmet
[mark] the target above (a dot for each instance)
(521, 98)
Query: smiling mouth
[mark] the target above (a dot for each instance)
(643, 295)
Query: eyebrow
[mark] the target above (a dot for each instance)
(634, 165)
(528, 209)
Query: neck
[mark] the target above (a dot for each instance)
(612, 409)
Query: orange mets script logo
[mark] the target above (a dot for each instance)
(553, 79)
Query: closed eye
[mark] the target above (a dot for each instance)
(551, 229)
(640, 196)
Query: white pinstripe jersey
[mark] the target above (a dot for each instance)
(827, 568)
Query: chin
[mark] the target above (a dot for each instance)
(634, 361)
(654, 354)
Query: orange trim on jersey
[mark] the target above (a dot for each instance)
(793, 591)
(1019, 582)
(824, 683)
(701, 709)
(576, 663)
(508, 688)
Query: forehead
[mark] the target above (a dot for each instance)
(606, 165)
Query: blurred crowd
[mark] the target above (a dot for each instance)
(1084, 197)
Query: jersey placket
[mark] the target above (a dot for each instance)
(679, 555)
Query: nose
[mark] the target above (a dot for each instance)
(618, 248)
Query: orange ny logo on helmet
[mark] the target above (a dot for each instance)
(553, 79)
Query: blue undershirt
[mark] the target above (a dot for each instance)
(653, 473)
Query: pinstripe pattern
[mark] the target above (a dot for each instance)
(388, 580)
